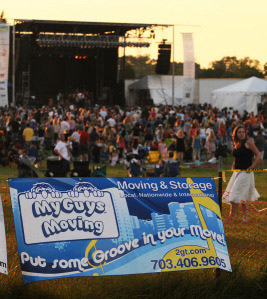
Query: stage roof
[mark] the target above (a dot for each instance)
(37, 26)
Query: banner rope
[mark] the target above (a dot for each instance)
(13, 269)
(246, 170)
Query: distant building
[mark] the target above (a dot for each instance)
(161, 221)
(123, 218)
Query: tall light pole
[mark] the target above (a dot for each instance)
(173, 67)
(13, 65)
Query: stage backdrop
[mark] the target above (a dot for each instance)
(114, 226)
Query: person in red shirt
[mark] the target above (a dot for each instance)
(222, 133)
(84, 139)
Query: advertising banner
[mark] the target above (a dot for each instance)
(3, 253)
(188, 68)
(4, 59)
(114, 226)
(189, 56)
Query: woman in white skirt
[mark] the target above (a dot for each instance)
(241, 187)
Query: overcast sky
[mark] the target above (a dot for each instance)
(224, 27)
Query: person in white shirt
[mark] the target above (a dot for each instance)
(63, 150)
(103, 113)
(111, 122)
(64, 126)
(75, 135)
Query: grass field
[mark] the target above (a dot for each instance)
(246, 245)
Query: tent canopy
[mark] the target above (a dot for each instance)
(160, 88)
(243, 95)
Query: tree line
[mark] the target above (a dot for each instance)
(227, 67)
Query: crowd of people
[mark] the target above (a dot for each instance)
(103, 134)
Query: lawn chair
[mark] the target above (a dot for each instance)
(172, 169)
(99, 171)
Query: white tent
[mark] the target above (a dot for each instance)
(244, 95)
(160, 89)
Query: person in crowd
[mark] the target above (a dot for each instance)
(63, 150)
(154, 146)
(148, 134)
(163, 149)
(180, 145)
(221, 133)
(75, 141)
(202, 134)
(259, 142)
(241, 187)
(28, 135)
(84, 139)
(196, 145)
(49, 135)
(56, 125)
(132, 124)
(171, 166)
(14, 128)
(114, 157)
(64, 126)
(211, 144)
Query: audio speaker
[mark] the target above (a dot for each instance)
(81, 169)
(164, 56)
(54, 169)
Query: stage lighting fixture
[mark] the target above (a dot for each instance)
(76, 56)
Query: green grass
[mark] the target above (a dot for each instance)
(246, 245)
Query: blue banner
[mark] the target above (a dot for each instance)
(114, 226)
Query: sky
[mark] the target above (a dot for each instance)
(220, 27)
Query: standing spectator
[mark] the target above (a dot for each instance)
(49, 136)
(211, 144)
(259, 142)
(64, 152)
(202, 134)
(180, 145)
(196, 145)
(215, 126)
(75, 141)
(187, 127)
(93, 148)
(111, 122)
(221, 133)
(121, 146)
(27, 135)
(34, 126)
(148, 134)
(14, 125)
(159, 133)
(163, 149)
(56, 124)
(64, 126)
(72, 123)
(84, 138)
(103, 113)
(241, 187)
(210, 128)
(192, 132)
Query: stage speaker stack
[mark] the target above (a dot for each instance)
(54, 169)
(164, 57)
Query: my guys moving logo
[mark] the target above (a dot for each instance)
(49, 215)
